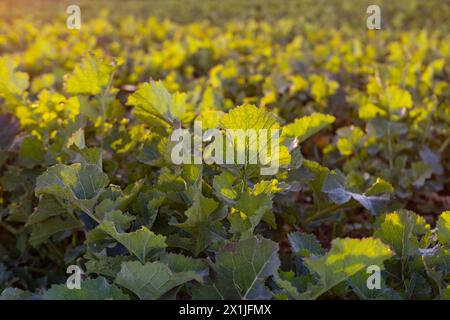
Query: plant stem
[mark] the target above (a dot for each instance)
(444, 145)
(391, 162)
(9, 228)
(103, 105)
(323, 212)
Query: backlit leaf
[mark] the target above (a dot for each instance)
(152, 280)
(345, 258)
(91, 76)
(305, 127)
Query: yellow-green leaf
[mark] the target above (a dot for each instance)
(156, 106)
(345, 258)
(305, 127)
(91, 76)
(443, 226)
(12, 83)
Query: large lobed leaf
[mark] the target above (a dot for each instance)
(12, 83)
(248, 116)
(91, 76)
(345, 258)
(142, 243)
(443, 226)
(156, 106)
(79, 184)
(401, 231)
(305, 127)
(241, 270)
(334, 187)
(152, 280)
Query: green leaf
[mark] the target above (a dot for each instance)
(50, 218)
(314, 175)
(151, 280)
(400, 230)
(358, 283)
(200, 219)
(437, 264)
(349, 139)
(443, 226)
(31, 153)
(143, 243)
(104, 265)
(91, 156)
(248, 116)
(420, 172)
(154, 105)
(147, 205)
(121, 221)
(223, 185)
(91, 289)
(447, 293)
(12, 83)
(77, 138)
(200, 211)
(368, 110)
(241, 270)
(113, 201)
(305, 127)
(169, 182)
(380, 186)
(346, 258)
(16, 294)
(42, 231)
(79, 184)
(304, 244)
(321, 87)
(284, 280)
(180, 263)
(248, 211)
(48, 207)
(90, 77)
(268, 187)
(153, 150)
(334, 188)
(397, 98)
(432, 158)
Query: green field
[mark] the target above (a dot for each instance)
(89, 136)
